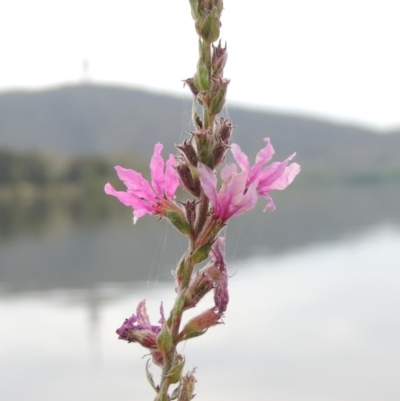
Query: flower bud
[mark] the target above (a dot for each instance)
(200, 324)
(164, 340)
(189, 178)
(199, 286)
(190, 83)
(223, 129)
(194, 6)
(218, 100)
(175, 373)
(204, 142)
(180, 272)
(208, 28)
(219, 57)
(201, 78)
(202, 252)
(179, 221)
(188, 150)
(219, 153)
(190, 207)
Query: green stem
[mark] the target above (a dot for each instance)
(175, 323)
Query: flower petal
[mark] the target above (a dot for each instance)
(162, 318)
(265, 154)
(141, 313)
(208, 182)
(228, 170)
(247, 202)
(171, 177)
(230, 195)
(240, 158)
(128, 199)
(268, 176)
(135, 182)
(157, 170)
(287, 177)
(270, 205)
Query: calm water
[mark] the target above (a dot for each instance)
(314, 311)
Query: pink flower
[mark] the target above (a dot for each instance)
(277, 175)
(234, 197)
(140, 195)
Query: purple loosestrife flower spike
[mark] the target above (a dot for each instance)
(140, 195)
(277, 175)
(233, 197)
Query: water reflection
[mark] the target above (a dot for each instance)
(320, 323)
(81, 243)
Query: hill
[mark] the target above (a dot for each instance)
(104, 120)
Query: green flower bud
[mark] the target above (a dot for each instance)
(175, 373)
(202, 76)
(164, 340)
(179, 221)
(208, 28)
(194, 6)
(180, 272)
(202, 253)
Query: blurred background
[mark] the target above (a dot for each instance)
(314, 311)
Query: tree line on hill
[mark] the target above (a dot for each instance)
(69, 135)
(41, 170)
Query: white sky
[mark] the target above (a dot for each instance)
(332, 58)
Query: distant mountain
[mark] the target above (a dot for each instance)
(104, 120)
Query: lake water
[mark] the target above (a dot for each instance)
(313, 317)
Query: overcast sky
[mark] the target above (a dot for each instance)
(333, 58)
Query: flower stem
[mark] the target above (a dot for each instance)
(174, 323)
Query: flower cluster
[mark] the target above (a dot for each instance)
(237, 194)
(212, 202)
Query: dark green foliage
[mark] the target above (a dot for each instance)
(82, 169)
(28, 167)
(7, 163)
